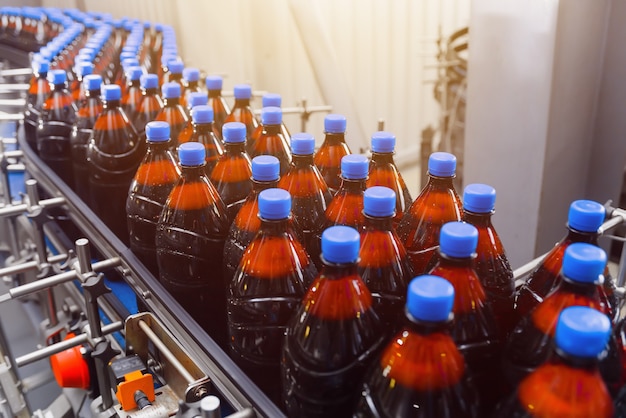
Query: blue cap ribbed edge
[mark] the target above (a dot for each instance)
(379, 202)
(383, 142)
(430, 298)
(583, 262)
(479, 198)
(334, 123)
(213, 82)
(302, 144)
(170, 90)
(202, 114)
(111, 92)
(274, 204)
(265, 168)
(458, 239)
(157, 131)
(585, 215)
(582, 331)
(191, 154)
(354, 166)
(271, 116)
(340, 244)
(442, 164)
(234, 132)
(242, 91)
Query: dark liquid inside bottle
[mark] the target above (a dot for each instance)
(272, 142)
(332, 339)
(132, 99)
(86, 117)
(174, 114)
(328, 159)
(204, 133)
(37, 93)
(242, 112)
(220, 110)
(231, 177)
(150, 106)
(383, 172)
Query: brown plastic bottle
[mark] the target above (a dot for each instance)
(133, 95)
(334, 148)
(271, 141)
(221, 110)
(150, 104)
(38, 91)
(242, 112)
(173, 112)
(203, 131)
(271, 100)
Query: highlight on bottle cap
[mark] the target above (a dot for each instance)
(157, 131)
(170, 90)
(234, 132)
(430, 298)
(130, 62)
(379, 202)
(335, 124)
(383, 142)
(265, 168)
(197, 98)
(202, 114)
(84, 68)
(57, 77)
(479, 198)
(242, 91)
(458, 239)
(585, 215)
(213, 82)
(42, 66)
(274, 204)
(584, 262)
(340, 244)
(111, 92)
(134, 73)
(582, 331)
(149, 81)
(191, 154)
(92, 82)
(175, 66)
(302, 144)
(271, 100)
(441, 164)
(191, 74)
(271, 116)
(354, 166)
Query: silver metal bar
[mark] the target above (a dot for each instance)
(522, 271)
(8, 116)
(13, 87)
(84, 256)
(255, 93)
(30, 265)
(64, 345)
(13, 154)
(618, 217)
(166, 352)
(14, 210)
(16, 71)
(301, 109)
(244, 413)
(13, 102)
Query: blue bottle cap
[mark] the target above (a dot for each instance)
(340, 244)
(271, 116)
(274, 204)
(379, 202)
(271, 100)
(111, 92)
(582, 331)
(191, 74)
(191, 154)
(234, 132)
(149, 81)
(430, 298)
(213, 82)
(242, 91)
(479, 198)
(441, 164)
(583, 262)
(202, 114)
(42, 66)
(134, 73)
(197, 98)
(84, 68)
(157, 131)
(354, 166)
(170, 90)
(302, 144)
(158, 27)
(383, 142)
(175, 66)
(265, 168)
(458, 239)
(57, 77)
(585, 215)
(335, 124)
(167, 57)
(92, 82)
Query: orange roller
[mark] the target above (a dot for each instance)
(70, 368)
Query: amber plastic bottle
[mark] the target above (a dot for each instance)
(193, 100)
(175, 75)
(232, 171)
(203, 131)
(150, 104)
(271, 141)
(149, 190)
(333, 149)
(38, 91)
(491, 263)
(190, 243)
(268, 286)
(82, 69)
(133, 95)
(333, 336)
(436, 204)
(421, 372)
(383, 171)
(86, 117)
(221, 110)
(383, 263)
(569, 385)
(265, 175)
(271, 100)
(173, 111)
(242, 112)
(191, 79)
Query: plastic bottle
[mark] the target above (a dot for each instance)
(531, 341)
(584, 219)
(38, 91)
(190, 243)
(193, 100)
(421, 372)
(175, 75)
(265, 175)
(491, 263)
(569, 385)
(333, 336)
(114, 153)
(86, 117)
(173, 112)
(203, 131)
(196, 98)
(346, 206)
(191, 78)
(150, 104)
(271, 100)
(333, 149)
(133, 95)
(232, 171)
(221, 110)
(55, 126)
(310, 195)
(271, 141)
(383, 171)
(383, 263)
(436, 204)
(149, 190)
(242, 112)
(474, 327)
(267, 288)
(83, 68)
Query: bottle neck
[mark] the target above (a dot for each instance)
(580, 288)
(458, 262)
(134, 83)
(383, 157)
(353, 185)
(150, 92)
(336, 271)
(192, 85)
(171, 102)
(192, 172)
(574, 235)
(242, 102)
(159, 147)
(203, 128)
(589, 364)
(111, 104)
(379, 223)
(442, 182)
(234, 147)
(92, 93)
(334, 138)
(427, 327)
(215, 93)
(271, 129)
(302, 160)
(60, 87)
(274, 226)
(478, 219)
(259, 186)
